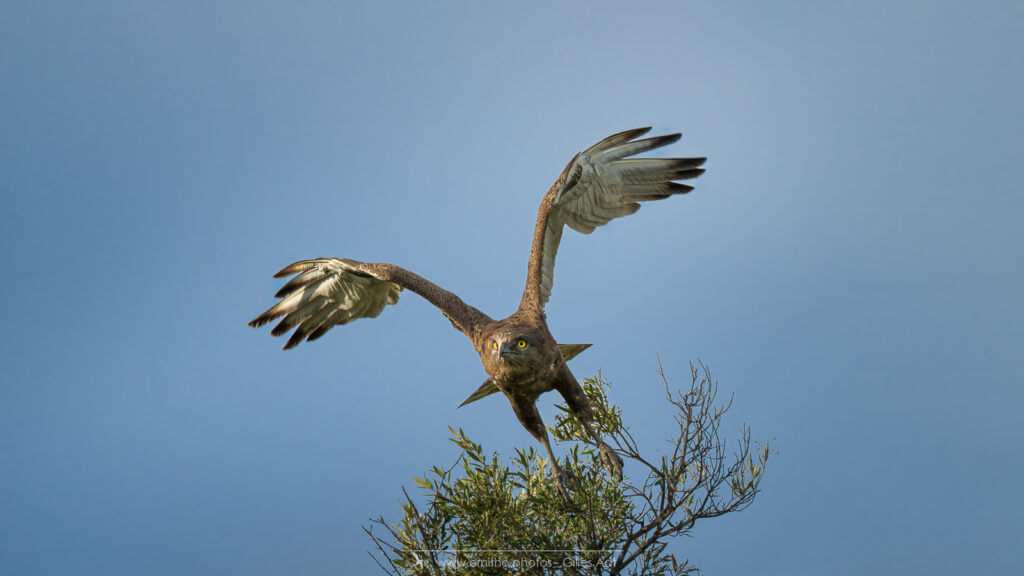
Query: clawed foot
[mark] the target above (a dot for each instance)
(565, 480)
(611, 461)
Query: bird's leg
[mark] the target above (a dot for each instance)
(529, 417)
(564, 479)
(609, 459)
(576, 398)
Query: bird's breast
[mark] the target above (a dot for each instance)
(518, 381)
(526, 387)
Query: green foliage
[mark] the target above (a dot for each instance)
(607, 418)
(486, 515)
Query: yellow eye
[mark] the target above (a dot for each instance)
(494, 344)
(521, 343)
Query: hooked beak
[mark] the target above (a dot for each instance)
(507, 350)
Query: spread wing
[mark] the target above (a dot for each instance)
(601, 183)
(329, 292)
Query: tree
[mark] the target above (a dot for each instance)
(482, 515)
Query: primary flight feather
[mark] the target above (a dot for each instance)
(519, 354)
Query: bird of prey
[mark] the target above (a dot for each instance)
(519, 354)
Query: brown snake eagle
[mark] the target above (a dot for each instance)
(519, 353)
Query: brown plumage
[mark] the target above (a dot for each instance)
(519, 353)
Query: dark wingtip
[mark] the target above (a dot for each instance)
(316, 334)
(282, 328)
(260, 320)
(292, 342)
(689, 162)
(623, 137)
(635, 132)
(669, 138)
(294, 267)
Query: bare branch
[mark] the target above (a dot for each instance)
(515, 516)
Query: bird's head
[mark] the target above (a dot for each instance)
(516, 347)
(512, 348)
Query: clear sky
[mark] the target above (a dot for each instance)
(849, 267)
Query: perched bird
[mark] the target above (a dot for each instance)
(519, 353)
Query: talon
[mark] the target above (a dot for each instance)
(611, 461)
(565, 481)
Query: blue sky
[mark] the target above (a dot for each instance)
(849, 267)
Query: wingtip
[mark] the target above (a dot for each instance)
(619, 138)
(570, 351)
(635, 132)
(260, 320)
(485, 390)
(293, 268)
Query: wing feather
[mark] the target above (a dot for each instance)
(598, 185)
(328, 292)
